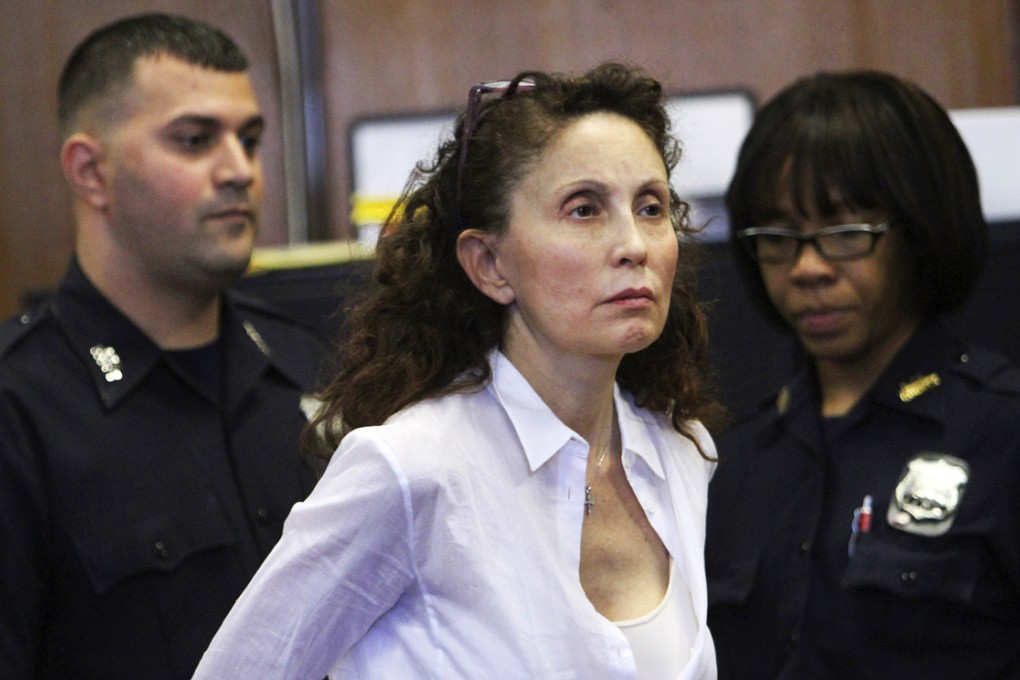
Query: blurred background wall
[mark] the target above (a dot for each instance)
(341, 60)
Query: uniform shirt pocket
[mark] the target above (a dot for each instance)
(911, 573)
(146, 537)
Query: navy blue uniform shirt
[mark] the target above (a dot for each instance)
(928, 586)
(138, 495)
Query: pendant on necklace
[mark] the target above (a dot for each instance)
(589, 502)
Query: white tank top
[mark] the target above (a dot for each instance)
(663, 639)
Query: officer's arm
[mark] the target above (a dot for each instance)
(22, 541)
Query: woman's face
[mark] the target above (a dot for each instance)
(845, 313)
(589, 253)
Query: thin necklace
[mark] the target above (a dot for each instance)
(589, 502)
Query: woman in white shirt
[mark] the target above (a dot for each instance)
(519, 489)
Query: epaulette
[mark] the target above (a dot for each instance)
(17, 327)
(989, 369)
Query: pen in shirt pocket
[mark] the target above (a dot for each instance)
(861, 524)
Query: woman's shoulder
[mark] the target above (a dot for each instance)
(435, 431)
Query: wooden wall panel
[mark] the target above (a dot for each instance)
(387, 56)
(390, 56)
(957, 50)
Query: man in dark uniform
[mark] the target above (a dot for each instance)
(864, 522)
(149, 420)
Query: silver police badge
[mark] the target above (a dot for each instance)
(928, 494)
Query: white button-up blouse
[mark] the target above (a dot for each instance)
(446, 544)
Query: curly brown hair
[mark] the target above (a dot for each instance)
(424, 330)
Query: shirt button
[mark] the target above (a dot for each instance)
(263, 515)
(162, 552)
(805, 547)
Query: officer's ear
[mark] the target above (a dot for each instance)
(82, 160)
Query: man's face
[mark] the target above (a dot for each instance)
(184, 181)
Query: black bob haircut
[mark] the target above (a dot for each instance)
(866, 140)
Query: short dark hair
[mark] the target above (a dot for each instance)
(426, 327)
(866, 140)
(104, 60)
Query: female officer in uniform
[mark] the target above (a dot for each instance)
(864, 523)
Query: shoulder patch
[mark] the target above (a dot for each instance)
(17, 327)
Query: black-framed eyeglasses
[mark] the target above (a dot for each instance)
(775, 245)
(498, 88)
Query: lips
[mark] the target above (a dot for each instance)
(633, 296)
(233, 213)
(821, 321)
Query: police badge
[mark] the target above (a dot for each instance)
(928, 494)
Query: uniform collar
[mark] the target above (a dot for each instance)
(542, 434)
(256, 335)
(911, 382)
(118, 355)
(115, 352)
(796, 406)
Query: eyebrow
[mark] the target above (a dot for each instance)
(254, 122)
(257, 121)
(655, 183)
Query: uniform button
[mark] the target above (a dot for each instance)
(908, 578)
(805, 547)
(25, 318)
(161, 550)
(964, 358)
(263, 515)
